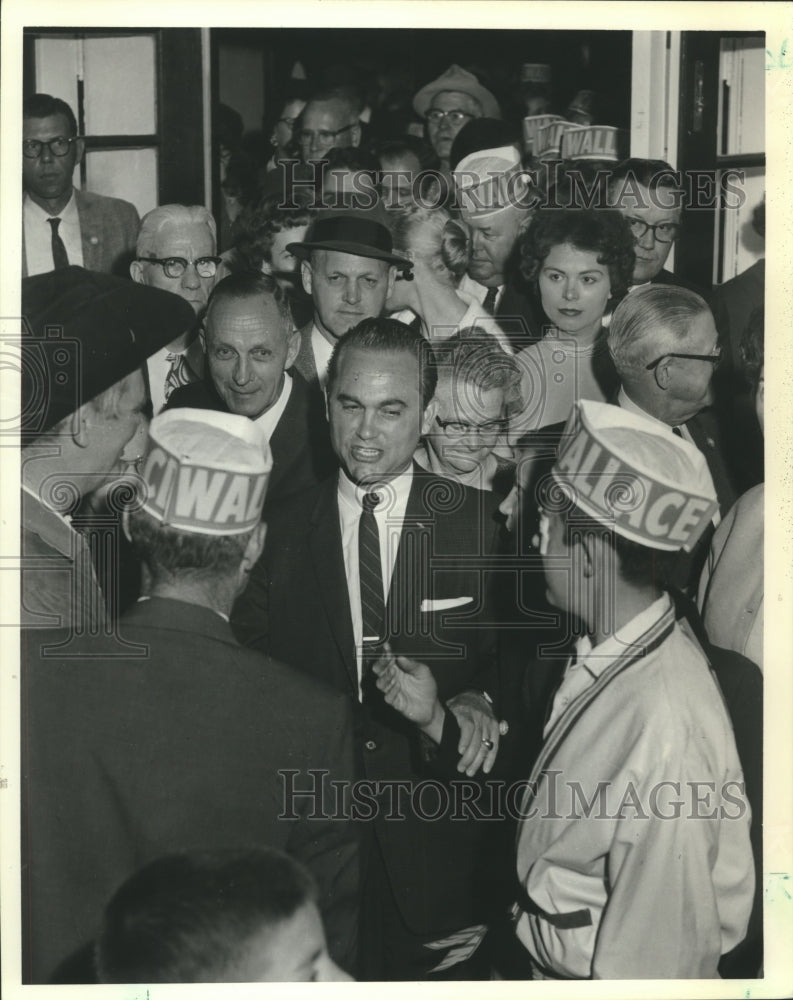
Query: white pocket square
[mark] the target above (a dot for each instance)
(444, 603)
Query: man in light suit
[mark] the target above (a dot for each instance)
(664, 344)
(60, 224)
(317, 601)
(176, 740)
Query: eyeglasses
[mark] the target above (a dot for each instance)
(714, 359)
(663, 232)
(456, 117)
(307, 135)
(59, 146)
(459, 428)
(175, 267)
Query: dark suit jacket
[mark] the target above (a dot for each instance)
(300, 443)
(173, 744)
(305, 362)
(665, 277)
(297, 607)
(109, 231)
(520, 314)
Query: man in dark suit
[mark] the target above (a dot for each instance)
(62, 225)
(385, 556)
(182, 740)
(664, 344)
(497, 204)
(648, 194)
(348, 267)
(249, 342)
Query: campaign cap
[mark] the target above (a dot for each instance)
(205, 471)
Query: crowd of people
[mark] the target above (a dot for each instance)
(391, 586)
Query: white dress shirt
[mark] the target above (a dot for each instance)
(38, 235)
(389, 515)
(268, 420)
(322, 352)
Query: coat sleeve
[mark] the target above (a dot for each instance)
(325, 838)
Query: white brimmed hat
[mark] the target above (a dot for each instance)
(458, 79)
(489, 180)
(206, 471)
(636, 476)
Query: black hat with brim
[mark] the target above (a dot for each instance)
(81, 333)
(354, 232)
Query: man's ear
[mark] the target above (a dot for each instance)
(79, 149)
(306, 276)
(391, 281)
(81, 425)
(428, 416)
(355, 135)
(293, 348)
(253, 549)
(136, 272)
(663, 374)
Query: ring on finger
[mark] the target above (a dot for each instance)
(488, 743)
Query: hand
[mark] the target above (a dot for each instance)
(409, 687)
(477, 724)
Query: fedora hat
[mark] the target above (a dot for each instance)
(355, 231)
(458, 79)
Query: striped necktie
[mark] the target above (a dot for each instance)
(371, 579)
(490, 300)
(178, 374)
(59, 256)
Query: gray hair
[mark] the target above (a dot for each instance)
(649, 321)
(180, 215)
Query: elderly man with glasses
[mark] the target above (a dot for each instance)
(448, 103)
(62, 225)
(330, 120)
(664, 344)
(176, 251)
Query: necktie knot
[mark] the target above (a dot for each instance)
(369, 501)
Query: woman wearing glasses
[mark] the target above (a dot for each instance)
(579, 261)
(478, 387)
(439, 248)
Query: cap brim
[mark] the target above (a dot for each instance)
(302, 250)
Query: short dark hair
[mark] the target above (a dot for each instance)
(188, 918)
(389, 336)
(602, 231)
(260, 222)
(639, 564)
(249, 285)
(648, 173)
(171, 552)
(45, 105)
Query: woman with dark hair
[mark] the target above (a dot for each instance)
(579, 261)
(263, 233)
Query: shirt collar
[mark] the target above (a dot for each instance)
(597, 658)
(393, 491)
(68, 210)
(626, 403)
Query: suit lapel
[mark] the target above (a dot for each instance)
(704, 438)
(328, 563)
(410, 581)
(91, 243)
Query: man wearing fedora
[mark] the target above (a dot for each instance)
(455, 98)
(83, 419)
(348, 267)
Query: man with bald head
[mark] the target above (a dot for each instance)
(176, 251)
(249, 342)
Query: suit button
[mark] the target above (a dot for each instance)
(370, 745)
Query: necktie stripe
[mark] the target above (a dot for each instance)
(60, 257)
(370, 576)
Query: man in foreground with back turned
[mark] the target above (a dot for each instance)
(176, 742)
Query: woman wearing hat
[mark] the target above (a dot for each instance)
(439, 249)
(578, 260)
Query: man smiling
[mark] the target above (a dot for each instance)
(250, 342)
